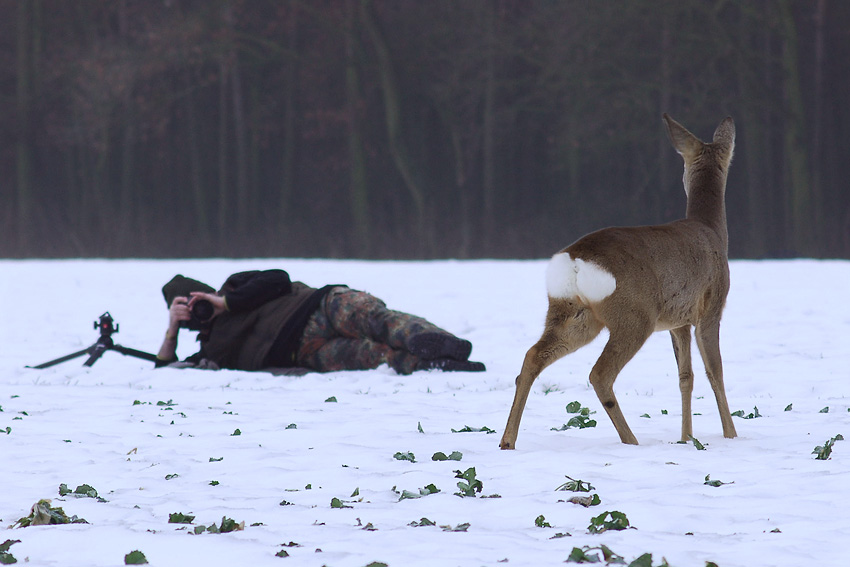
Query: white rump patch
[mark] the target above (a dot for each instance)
(567, 277)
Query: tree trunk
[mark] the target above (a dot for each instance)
(245, 206)
(392, 115)
(795, 148)
(223, 230)
(290, 93)
(665, 99)
(127, 203)
(23, 146)
(820, 230)
(488, 165)
(358, 190)
(201, 216)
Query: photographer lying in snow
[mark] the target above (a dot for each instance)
(260, 320)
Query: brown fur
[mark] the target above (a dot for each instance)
(669, 277)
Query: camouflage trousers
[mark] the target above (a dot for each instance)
(353, 330)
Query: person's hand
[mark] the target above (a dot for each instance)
(179, 311)
(217, 301)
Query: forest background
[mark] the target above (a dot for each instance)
(411, 128)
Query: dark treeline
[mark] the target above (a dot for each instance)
(411, 128)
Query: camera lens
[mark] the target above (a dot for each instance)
(203, 310)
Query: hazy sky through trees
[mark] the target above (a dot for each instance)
(410, 129)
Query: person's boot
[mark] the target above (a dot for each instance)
(432, 345)
(451, 365)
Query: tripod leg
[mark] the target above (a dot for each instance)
(134, 352)
(64, 358)
(96, 352)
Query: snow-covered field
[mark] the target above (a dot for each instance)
(158, 442)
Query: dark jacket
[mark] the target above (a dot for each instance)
(263, 325)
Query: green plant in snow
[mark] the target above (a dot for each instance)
(608, 521)
(583, 556)
(468, 429)
(645, 560)
(180, 518)
(135, 558)
(440, 456)
(422, 522)
(42, 514)
(610, 558)
(331, 400)
(469, 485)
(574, 485)
(7, 558)
(82, 491)
(337, 503)
(824, 451)
(407, 494)
(227, 525)
(710, 482)
(458, 528)
(405, 457)
(540, 522)
(580, 421)
(752, 415)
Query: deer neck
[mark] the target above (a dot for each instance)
(707, 205)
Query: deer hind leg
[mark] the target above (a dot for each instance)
(708, 341)
(682, 350)
(569, 326)
(624, 342)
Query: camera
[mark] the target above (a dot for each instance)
(201, 313)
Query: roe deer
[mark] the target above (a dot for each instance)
(638, 280)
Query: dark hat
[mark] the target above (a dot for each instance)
(181, 286)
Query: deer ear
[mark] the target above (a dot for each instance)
(725, 133)
(683, 141)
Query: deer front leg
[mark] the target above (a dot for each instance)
(682, 350)
(708, 341)
(623, 344)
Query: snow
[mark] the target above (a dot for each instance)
(784, 340)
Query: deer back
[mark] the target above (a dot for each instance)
(675, 273)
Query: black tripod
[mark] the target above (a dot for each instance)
(103, 344)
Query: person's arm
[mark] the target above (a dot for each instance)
(178, 312)
(246, 291)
